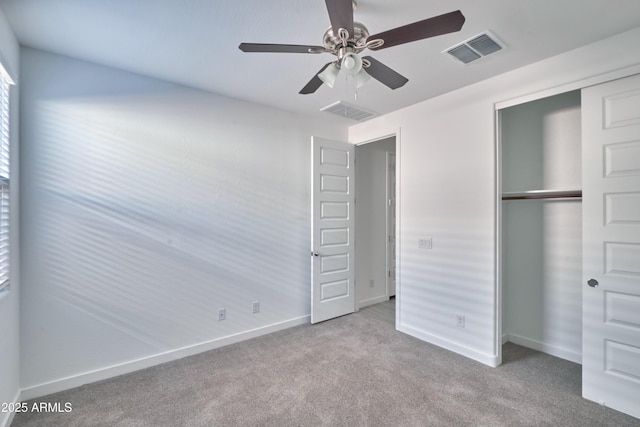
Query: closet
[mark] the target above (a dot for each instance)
(541, 225)
(570, 265)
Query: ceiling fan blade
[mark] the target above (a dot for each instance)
(314, 83)
(384, 74)
(430, 27)
(340, 15)
(280, 48)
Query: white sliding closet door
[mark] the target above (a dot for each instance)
(611, 244)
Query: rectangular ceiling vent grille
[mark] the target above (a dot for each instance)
(464, 53)
(475, 48)
(349, 111)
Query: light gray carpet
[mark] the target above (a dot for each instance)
(351, 371)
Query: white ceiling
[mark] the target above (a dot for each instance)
(195, 42)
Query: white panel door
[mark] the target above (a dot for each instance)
(611, 244)
(332, 228)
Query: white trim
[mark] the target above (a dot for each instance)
(398, 219)
(146, 362)
(571, 86)
(497, 244)
(486, 359)
(387, 251)
(553, 350)
(6, 73)
(372, 301)
(377, 136)
(7, 418)
(498, 106)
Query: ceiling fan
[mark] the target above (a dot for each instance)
(346, 39)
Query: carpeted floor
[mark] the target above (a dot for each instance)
(352, 371)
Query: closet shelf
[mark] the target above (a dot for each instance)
(542, 194)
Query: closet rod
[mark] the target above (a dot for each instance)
(542, 194)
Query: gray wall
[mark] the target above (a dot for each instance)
(147, 206)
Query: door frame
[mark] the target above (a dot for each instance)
(390, 254)
(371, 138)
(498, 106)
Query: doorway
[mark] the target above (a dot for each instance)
(344, 279)
(376, 222)
(541, 242)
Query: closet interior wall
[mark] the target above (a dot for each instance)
(541, 246)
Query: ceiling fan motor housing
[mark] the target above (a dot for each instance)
(356, 43)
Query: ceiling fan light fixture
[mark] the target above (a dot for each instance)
(346, 39)
(351, 64)
(329, 75)
(361, 78)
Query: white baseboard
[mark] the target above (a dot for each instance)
(146, 362)
(505, 338)
(487, 359)
(553, 350)
(7, 417)
(372, 301)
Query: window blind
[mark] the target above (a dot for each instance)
(5, 83)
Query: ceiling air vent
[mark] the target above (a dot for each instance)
(349, 111)
(464, 53)
(475, 48)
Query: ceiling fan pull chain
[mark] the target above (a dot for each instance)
(355, 88)
(346, 91)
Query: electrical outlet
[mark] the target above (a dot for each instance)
(222, 314)
(256, 307)
(372, 283)
(425, 243)
(460, 320)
